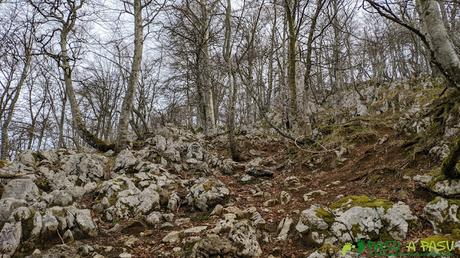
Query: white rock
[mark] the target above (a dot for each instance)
(125, 255)
(284, 227)
(10, 237)
(450, 187)
(61, 198)
(285, 197)
(85, 222)
(207, 193)
(310, 221)
(153, 218)
(397, 220)
(172, 237)
(310, 195)
(8, 205)
(440, 211)
(173, 202)
(125, 160)
(367, 220)
(244, 236)
(22, 189)
(195, 230)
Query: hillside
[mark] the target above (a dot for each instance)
(368, 173)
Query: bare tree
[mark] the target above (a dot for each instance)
(20, 42)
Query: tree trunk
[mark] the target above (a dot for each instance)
(9, 117)
(291, 76)
(441, 44)
(232, 144)
(127, 106)
(444, 52)
(86, 135)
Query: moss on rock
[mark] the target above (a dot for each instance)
(3, 163)
(328, 249)
(326, 215)
(361, 201)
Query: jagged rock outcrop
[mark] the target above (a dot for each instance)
(354, 217)
(207, 193)
(443, 215)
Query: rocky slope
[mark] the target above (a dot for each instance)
(178, 195)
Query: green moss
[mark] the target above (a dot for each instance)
(362, 201)
(112, 199)
(59, 212)
(327, 216)
(137, 145)
(38, 156)
(3, 163)
(43, 184)
(355, 229)
(188, 249)
(199, 217)
(208, 185)
(329, 249)
(385, 236)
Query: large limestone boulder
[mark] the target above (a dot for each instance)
(355, 217)
(121, 198)
(21, 189)
(45, 224)
(207, 193)
(125, 161)
(86, 167)
(10, 238)
(213, 245)
(8, 205)
(438, 183)
(244, 236)
(28, 158)
(443, 214)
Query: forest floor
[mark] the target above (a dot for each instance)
(375, 166)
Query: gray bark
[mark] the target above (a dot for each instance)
(127, 106)
(439, 40)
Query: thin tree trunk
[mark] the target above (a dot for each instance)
(291, 77)
(9, 117)
(233, 146)
(127, 106)
(86, 135)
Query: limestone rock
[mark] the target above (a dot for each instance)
(213, 245)
(22, 189)
(207, 193)
(244, 236)
(10, 238)
(443, 214)
(355, 217)
(85, 222)
(85, 167)
(448, 187)
(125, 161)
(8, 205)
(284, 228)
(172, 237)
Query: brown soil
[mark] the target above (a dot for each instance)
(372, 169)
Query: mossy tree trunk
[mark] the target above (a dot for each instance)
(444, 52)
(64, 64)
(448, 167)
